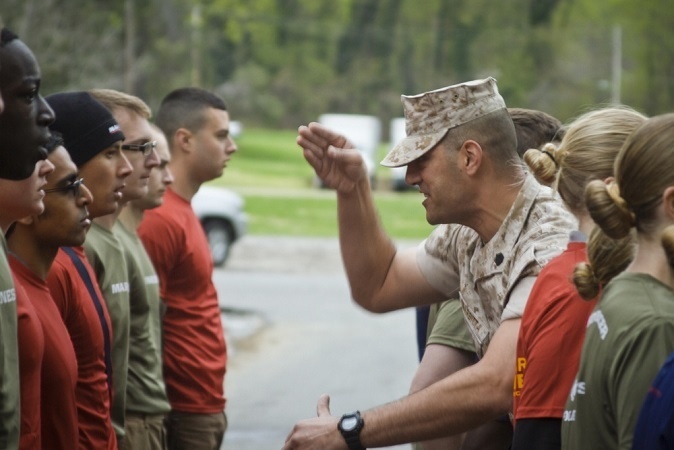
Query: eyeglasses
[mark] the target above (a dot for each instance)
(145, 148)
(74, 187)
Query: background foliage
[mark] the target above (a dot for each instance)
(280, 63)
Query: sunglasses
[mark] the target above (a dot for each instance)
(145, 148)
(74, 187)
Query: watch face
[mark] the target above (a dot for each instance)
(349, 423)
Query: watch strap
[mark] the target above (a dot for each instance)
(352, 437)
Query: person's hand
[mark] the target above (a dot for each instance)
(334, 159)
(320, 433)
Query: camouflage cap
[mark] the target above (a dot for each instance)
(430, 115)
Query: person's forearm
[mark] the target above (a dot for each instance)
(367, 252)
(462, 401)
(451, 406)
(441, 361)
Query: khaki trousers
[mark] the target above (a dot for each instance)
(191, 431)
(144, 432)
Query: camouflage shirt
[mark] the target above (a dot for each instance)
(454, 258)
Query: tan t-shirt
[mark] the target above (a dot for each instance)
(493, 279)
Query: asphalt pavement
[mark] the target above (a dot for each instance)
(293, 334)
(273, 255)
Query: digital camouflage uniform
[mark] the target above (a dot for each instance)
(455, 260)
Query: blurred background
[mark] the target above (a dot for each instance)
(283, 63)
(280, 63)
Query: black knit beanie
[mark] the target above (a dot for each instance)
(86, 125)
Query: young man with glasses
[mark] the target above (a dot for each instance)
(24, 118)
(96, 323)
(34, 241)
(160, 179)
(146, 401)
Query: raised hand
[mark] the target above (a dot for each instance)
(334, 159)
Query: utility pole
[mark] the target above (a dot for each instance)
(129, 46)
(616, 70)
(196, 25)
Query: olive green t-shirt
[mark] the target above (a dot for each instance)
(447, 326)
(105, 254)
(10, 414)
(145, 390)
(629, 335)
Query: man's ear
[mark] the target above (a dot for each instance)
(183, 139)
(472, 155)
(668, 202)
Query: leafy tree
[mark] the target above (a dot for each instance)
(284, 62)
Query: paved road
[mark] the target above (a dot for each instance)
(301, 336)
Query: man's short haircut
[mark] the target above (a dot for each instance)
(494, 132)
(113, 100)
(535, 128)
(184, 108)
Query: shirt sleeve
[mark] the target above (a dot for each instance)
(518, 299)
(538, 434)
(437, 260)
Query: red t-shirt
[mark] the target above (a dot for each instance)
(31, 352)
(195, 354)
(58, 410)
(550, 340)
(81, 318)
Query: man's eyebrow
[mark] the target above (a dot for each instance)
(31, 82)
(32, 79)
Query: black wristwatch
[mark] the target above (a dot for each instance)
(350, 425)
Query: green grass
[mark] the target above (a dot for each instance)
(267, 159)
(270, 172)
(296, 215)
